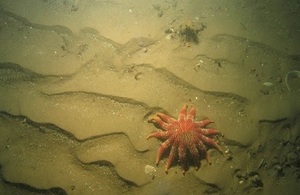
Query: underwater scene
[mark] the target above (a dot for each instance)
(149, 97)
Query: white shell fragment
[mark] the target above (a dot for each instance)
(295, 73)
(268, 84)
(150, 169)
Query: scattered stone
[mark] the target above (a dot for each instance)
(187, 32)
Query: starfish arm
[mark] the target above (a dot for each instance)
(171, 158)
(203, 150)
(195, 154)
(210, 142)
(207, 131)
(163, 125)
(165, 118)
(192, 113)
(164, 146)
(204, 123)
(182, 114)
(182, 157)
(160, 134)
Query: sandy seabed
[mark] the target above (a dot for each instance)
(79, 81)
